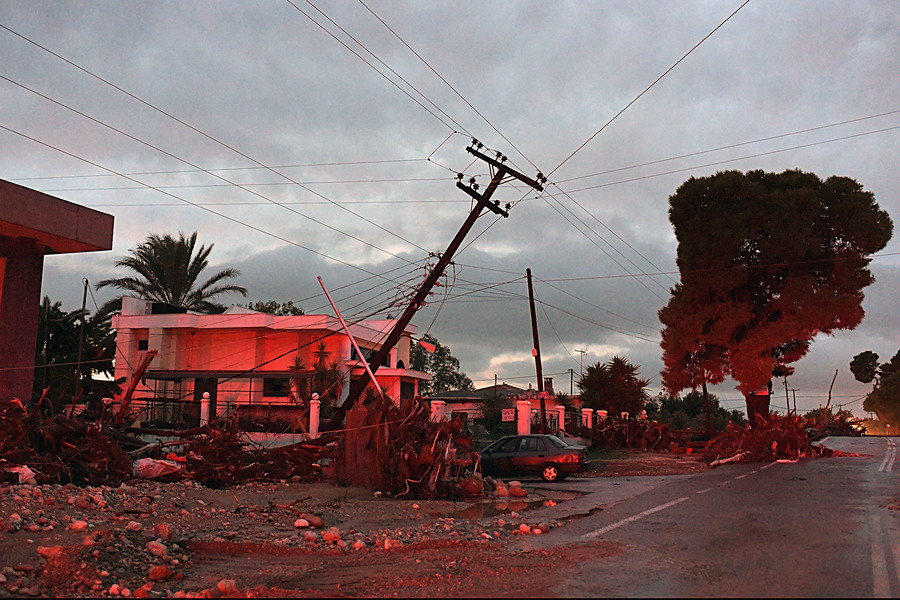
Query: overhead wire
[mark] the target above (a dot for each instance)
(232, 183)
(647, 89)
(359, 56)
(198, 131)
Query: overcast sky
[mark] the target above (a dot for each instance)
(323, 139)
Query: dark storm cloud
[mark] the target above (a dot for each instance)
(544, 76)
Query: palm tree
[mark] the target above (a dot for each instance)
(614, 386)
(168, 270)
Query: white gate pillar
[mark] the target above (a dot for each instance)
(523, 417)
(315, 407)
(437, 410)
(587, 417)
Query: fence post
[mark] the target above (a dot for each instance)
(523, 417)
(437, 410)
(562, 417)
(587, 418)
(204, 409)
(315, 407)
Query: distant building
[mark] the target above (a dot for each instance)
(471, 405)
(244, 360)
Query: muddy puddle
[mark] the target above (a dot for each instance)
(493, 508)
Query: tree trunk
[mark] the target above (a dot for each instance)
(708, 408)
(757, 409)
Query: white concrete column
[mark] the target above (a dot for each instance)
(601, 415)
(204, 409)
(587, 417)
(437, 410)
(561, 410)
(523, 417)
(315, 407)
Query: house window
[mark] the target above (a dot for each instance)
(276, 386)
(369, 352)
(143, 344)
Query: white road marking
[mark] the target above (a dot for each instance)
(889, 456)
(767, 466)
(634, 518)
(709, 489)
(894, 541)
(880, 585)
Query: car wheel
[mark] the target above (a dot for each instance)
(550, 472)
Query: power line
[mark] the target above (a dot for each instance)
(360, 57)
(730, 146)
(245, 188)
(194, 204)
(447, 83)
(196, 130)
(655, 81)
(730, 160)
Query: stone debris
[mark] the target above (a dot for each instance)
(120, 541)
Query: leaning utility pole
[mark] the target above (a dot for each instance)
(536, 351)
(500, 174)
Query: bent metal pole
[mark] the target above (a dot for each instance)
(362, 357)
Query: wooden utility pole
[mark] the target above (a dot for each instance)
(536, 351)
(500, 174)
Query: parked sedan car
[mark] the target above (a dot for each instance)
(536, 454)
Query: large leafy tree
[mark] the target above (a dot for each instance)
(441, 365)
(613, 386)
(767, 262)
(168, 269)
(56, 357)
(884, 399)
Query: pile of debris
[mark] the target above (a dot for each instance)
(839, 425)
(643, 434)
(778, 438)
(37, 448)
(399, 449)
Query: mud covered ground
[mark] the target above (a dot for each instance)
(285, 539)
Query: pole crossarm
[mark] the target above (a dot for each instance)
(358, 386)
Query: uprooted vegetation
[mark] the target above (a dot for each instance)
(397, 449)
(779, 437)
(40, 448)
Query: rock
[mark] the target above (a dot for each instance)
(301, 523)
(525, 528)
(141, 593)
(160, 573)
(114, 590)
(134, 526)
(48, 552)
(502, 491)
(227, 586)
(156, 549)
(310, 536)
(78, 525)
(315, 521)
(163, 531)
(359, 545)
(516, 489)
(332, 534)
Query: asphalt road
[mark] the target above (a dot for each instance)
(813, 528)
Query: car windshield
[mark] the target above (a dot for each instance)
(556, 441)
